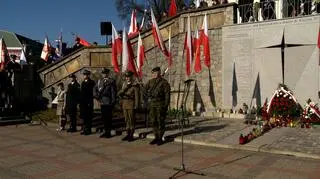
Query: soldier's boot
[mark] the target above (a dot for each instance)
(127, 136)
(131, 138)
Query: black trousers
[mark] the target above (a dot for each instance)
(86, 114)
(72, 113)
(106, 114)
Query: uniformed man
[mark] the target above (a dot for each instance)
(158, 91)
(72, 101)
(86, 102)
(129, 95)
(105, 92)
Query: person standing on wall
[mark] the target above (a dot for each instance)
(129, 95)
(72, 101)
(105, 92)
(157, 90)
(86, 102)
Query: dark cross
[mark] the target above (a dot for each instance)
(283, 45)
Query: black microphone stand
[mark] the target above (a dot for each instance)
(182, 123)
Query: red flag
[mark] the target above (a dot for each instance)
(172, 8)
(127, 55)
(188, 48)
(133, 29)
(157, 36)
(205, 42)
(45, 50)
(83, 42)
(116, 49)
(4, 54)
(140, 56)
(197, 43)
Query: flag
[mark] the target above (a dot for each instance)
(133, 29)
(116, 49)
(197, 43)
(170, 53)
(319, 38)
(45, 50)
(197, 3)
(127, 54)
(143, 19)
(60, 45)
(188, 48)
(23, 59)
(140, 56)
(4, 54)
(205, 41)
(157, 36)
(172, 8)
(83, 42)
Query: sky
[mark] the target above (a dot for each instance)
(36, 18)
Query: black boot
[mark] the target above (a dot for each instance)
(127, 136)
(106, 135)
(131, 138)
(154, 141)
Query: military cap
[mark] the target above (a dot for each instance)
(128, 74)
(13, 56)
(105, 71)
(156, 69)
(72, 76)
(86, 72)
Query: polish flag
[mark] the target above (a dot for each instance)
(188, 48)
(172, 8)
(116, 49)
(140, 56)
(83, 42)
(143, 19)
(133, 29)
(197, 43)
(127, 54)
(319, 38)
(170, 53)
(157, 36)
(4, 54)
(205, 41)
(45, 50)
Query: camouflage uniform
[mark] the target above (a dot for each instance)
(129, 95)
(158, 92)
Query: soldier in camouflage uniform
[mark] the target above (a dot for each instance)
(158, 91)
(129, 95)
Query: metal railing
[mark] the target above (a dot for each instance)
(275, 9)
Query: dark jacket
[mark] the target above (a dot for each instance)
(105, 91)
(87, 93)
(72, 95)
(158, 92)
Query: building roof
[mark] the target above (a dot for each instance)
(10, 38)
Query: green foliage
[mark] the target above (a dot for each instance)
(48, 115)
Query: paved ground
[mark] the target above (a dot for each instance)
(40, 152)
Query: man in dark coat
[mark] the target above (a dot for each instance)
(86, 102)
(158, 91)
(72, 101)
(105, 92)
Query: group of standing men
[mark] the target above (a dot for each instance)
(156, 91)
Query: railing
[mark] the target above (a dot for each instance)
(275, 9)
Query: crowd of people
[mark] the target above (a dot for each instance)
(156, 91)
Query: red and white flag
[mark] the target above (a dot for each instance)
(157, 36)
(319, 38)
(83, 42)
(170, 53)
(188, 48)
(45, 50)
(140, 56)
(4, 54)
(143, 19)
(116, 49)
(172, 8)
(205, 41)
(127, 54)
(197, 43)
(133, 29)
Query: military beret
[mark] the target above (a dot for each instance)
(105, 71)
(128, 74)
(72, 76)
(86, 72)
(156, 69)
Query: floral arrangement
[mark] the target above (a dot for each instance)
(311, 114)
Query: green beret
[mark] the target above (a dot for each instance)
(156, 69)
(105, 71)
(86, 72)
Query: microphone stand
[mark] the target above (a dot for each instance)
(182, 122)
